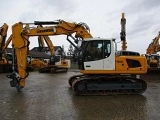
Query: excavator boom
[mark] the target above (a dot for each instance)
(3, 35)
(20, 40)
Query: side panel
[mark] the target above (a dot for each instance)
(109, 63)
(94, 65)
(109, 54)
(131, 63)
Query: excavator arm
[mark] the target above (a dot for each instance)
(123, 32)
(151, 54)
(5, 59)
(48, 42)
(3, 35)
(20, 41)
(55, 64)
(154, 46)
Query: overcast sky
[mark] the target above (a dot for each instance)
(102, 16)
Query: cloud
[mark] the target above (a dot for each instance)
(103, 17)
(149, 4)
(137, 7)
(59, 5)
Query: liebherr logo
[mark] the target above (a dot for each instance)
(45, 30)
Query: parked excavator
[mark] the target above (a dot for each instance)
(60, 65)
(5, 58)
(103, 72)
(152, 56)
(7, 66)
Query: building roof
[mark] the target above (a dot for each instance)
(33, 53)
(46, 49)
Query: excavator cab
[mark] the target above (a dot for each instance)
(52, 60)
(100, 56)
(153, 60)
(94, 54)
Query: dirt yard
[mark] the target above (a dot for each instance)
(49, 97)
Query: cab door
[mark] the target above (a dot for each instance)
(109, 55)
(99, 55)
(93, 55)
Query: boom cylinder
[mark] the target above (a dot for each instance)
(46, 22)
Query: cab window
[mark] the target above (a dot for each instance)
(97, 50)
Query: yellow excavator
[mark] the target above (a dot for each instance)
(153, 58)
(5, 58)
(59, 65)
(103, 72)
(8, 58)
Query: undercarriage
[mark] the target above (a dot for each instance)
(107, 85)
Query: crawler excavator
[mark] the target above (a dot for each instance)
(9, 58)
(103, 73)
(60, 65)
(5, 58)
(153, 58)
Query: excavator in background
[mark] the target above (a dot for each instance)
(9, 58)
(61, 65)
(153, 58)
(103, 72)
(5, 58)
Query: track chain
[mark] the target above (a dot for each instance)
(103, 92)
